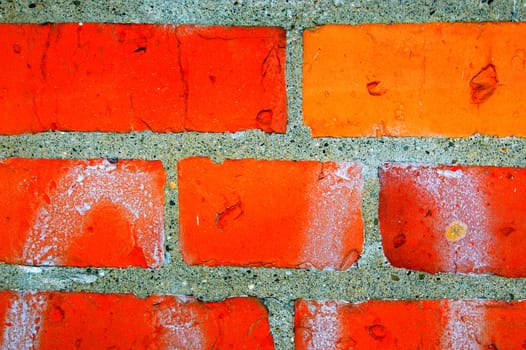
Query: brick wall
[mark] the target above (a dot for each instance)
(205, 184)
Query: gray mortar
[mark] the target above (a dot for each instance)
(373, 277)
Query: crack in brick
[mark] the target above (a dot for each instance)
(230, 214)
(183, 78)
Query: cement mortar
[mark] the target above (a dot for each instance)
(373, 277)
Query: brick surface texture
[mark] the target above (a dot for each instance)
(82, 213)
(121, 78)
(454, 218)
(57, 320)
(270, 213)
(426, 324)
(406, 79)
(254, 184)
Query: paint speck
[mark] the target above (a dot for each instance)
(173, 185)
(456, 231)
(251, 286)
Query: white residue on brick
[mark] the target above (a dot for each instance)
(464, 325)
(458, 196)
(56, 224)
(324, 327)
(457, 174)
(180, 325)
(23, 321)
(334, 201)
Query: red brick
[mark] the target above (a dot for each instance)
(428, 324)
(270, 213)
(120, 78)
(56, 320)
(449, 79)
(81, 213)
(454, 218)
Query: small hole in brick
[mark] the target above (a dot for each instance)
(56, 314)
(265, 116)
(483, 84)
(377, 332)
(506, 231)
(17, 49)
(399, 240)
(140, 49)
(375, 88)
(113, 160)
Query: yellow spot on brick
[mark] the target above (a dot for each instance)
(173, 185)
(456, 231)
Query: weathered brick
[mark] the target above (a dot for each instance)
(270, 213)
(82, 212)
(450, 79)
(57, 320)
(427, 324)
(120, 78)
(454, 218)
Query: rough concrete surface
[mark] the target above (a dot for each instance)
(373, 278)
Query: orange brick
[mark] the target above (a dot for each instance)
(454, 218)
(81, 213)
(270, 213)
(448, 79)
(428, 324)
(56, 320)
(120, 78)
